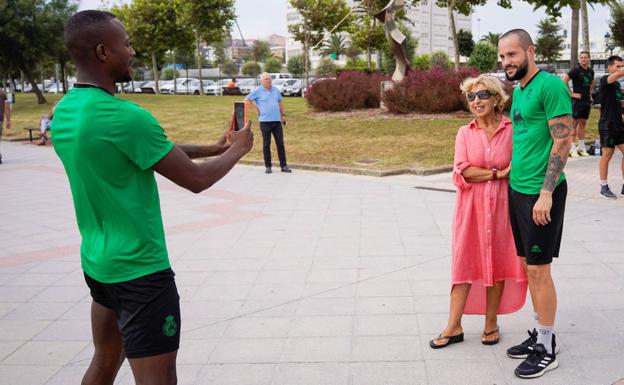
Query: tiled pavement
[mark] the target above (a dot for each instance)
(308, 278)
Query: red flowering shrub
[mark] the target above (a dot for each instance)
(349, 90)
(430, 91)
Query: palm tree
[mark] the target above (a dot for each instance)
(492, 38)
(335, 45)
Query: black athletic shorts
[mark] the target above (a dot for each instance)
(147, 310)
(610, 136)
(580, 109)
(539, 244)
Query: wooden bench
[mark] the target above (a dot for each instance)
(30, 132)
(231, 91)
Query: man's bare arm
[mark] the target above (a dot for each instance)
(560, 130)
(194, 151)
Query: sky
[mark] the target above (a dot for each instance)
(258, 21)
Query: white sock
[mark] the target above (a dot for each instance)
(573, 148)
(604, 183)
(544, 336)
(581, 144)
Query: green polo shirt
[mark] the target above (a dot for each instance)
(545, 97)
(108, 146)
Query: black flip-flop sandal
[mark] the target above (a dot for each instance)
(451, 340)
(491, 342)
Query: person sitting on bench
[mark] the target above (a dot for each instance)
(44, 126)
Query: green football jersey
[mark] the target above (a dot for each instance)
(545, 97)
(108, 146)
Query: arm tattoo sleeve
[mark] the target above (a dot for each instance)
(555, 167)
(560, 130)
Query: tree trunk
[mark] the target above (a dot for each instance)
(305, 59)
(155, 72)
(175, 78)
(451, 5)
(63, 76)
(199, 64)
(368, 43)
(31, 79)
(574, 38)
(585, 19)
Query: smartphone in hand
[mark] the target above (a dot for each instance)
(239, 115)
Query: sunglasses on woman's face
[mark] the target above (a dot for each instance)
(483, 94)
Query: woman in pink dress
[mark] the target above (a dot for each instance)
(487, 275)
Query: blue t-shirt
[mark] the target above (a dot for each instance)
(267, 102)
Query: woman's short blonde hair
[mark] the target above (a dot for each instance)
(492, 84)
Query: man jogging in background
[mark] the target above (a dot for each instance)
(542, 124)
(611, 125)
(110, 149)
(582, 77)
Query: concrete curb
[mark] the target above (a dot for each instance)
(360, 171)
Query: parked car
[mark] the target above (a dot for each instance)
(217, 87)
(55, 88)
(247, 85)
(279, 83)
(278, 75)
(292, 87)
(134, 86)
(183, 86)
(150, 87)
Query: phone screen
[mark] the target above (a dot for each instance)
(239, 113)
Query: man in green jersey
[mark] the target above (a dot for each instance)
(110, 149)
(541, 114)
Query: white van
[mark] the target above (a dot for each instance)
(278, 75)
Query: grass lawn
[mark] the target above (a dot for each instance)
(313, 138)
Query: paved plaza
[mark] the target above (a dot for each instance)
(308, 278)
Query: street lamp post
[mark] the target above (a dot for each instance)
(609, 44)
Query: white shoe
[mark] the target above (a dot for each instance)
(574, 153)
(582, 152)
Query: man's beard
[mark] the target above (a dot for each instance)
(521, 71)
(125, 78)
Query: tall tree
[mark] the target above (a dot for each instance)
(553, 9)
(616, 24)
(353, 52)
(492, 38)
(484, 57)
(273, 64)
(155, 26)
(465, 42)
(260, 51)
(251, 69)
(465, 7)
(295, 65)
(209, 19)
(549, 40)
(335, 45)
(30, 36)
(317, 18)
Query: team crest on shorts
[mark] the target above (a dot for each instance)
(170, 328)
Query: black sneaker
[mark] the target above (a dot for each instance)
(605, 191)
(268, 170)
(538, 362)
(622, 185)
(523, 350)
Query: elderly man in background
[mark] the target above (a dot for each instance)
(267, 101)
